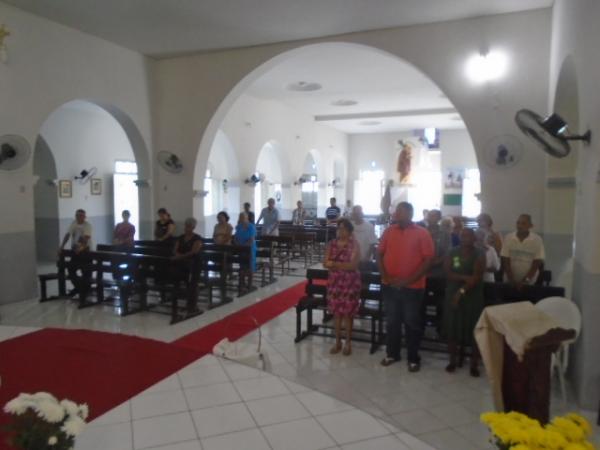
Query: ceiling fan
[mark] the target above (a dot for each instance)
(169, 161)
(14, 152)
(550, 133)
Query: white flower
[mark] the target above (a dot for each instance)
(73, 426)
(70, 407)
(44, 396)
(17, 406)
(84, 411)
(52, 440)
(50, 411)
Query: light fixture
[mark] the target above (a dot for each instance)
(304, 86)
(486, 66)
(373, 164)
(369, 123)
(344, 102)
(4, 33)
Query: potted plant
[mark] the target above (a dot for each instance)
(41, 422)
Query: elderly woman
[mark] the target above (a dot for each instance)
(223, 231)
(245, 234)
(486, 233)
(343, 285)
(187, 246)
(464, 268)
(124, 231)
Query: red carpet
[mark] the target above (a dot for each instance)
(241, 322)
(105, 369)
(100, 369)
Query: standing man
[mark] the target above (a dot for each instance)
(270, 215)
(80, 234)
(248, 212)
(333, 212)
(364, 234)
(404, 257)
(522, 254)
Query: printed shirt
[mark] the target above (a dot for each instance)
(404, 251)
(333, 212)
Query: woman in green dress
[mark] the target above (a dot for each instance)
(464, 267)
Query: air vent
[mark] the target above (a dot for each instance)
(344, 102)
(304, 86)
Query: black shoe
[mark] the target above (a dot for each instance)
(388, 360)
(414, 366)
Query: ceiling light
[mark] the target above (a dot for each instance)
(304, 86)
(373, 164)
(486, 66)
(369, 123)
(344, 102)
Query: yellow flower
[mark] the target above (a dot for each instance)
(581, 422)
(569, 429)
(520, 447)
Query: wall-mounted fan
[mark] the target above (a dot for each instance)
(503, 152)
(255, 178)
(14, 152)
(170, 162)
(550, 133)
(85, 175)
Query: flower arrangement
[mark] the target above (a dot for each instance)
(43, 423)
(516, 431)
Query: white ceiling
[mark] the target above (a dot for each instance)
(387, 90)
(167, 27)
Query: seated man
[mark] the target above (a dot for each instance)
(522, 254)
(80, 233)
(187, 246)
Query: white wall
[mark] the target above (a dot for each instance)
(575, 36)
(50, 65)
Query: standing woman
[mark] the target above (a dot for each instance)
(245, 234)
(484, 222)
(343, 285)
(124, 231)
(223, 231)
(164, 230)
(464, 267)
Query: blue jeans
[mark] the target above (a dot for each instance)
(403, 306)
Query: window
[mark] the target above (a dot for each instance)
(208, 198)
(471, 203)
(368, 191)
(125, 192)
(428, 194)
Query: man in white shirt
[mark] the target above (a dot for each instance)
(80, 234)
(364, 233)
(299, 214)
(522, 253)
(270, 218)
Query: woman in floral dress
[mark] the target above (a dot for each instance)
(343, 285)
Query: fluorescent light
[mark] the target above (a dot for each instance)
(487, 67)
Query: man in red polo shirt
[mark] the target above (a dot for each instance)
(404, 257)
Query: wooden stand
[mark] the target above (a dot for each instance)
(526, 383)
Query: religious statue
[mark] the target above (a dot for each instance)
(404, 162)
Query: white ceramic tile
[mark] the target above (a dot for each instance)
(222, 419)
(390, 442)
(202, 376)
(242, 440)
(303, 434)
(213, 395)
(163, 430)
(267, 411)
(413, 443)
(189, 445)
(318, 403)
(171, 383)
(350, 426)
(256, 388)
(453, 415)
(395, 403)
(237, 371)
(294, 387)
(158, 404)
(475, 432)
(120, 414)
(446, 440)
(113, 437)
(418, 421)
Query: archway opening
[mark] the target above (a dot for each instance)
(101, 140)
(269, 168)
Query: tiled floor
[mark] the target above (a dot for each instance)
(310, 399)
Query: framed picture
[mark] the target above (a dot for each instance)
(96, 186)
(65, 189)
